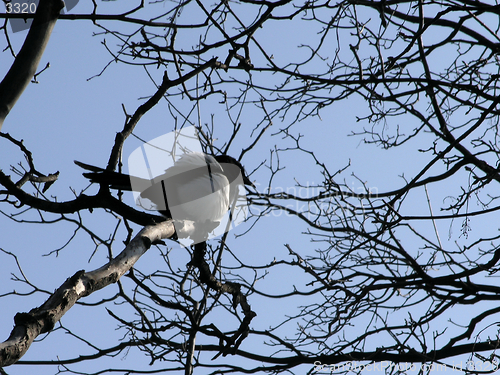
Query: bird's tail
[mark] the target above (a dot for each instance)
(114, 180)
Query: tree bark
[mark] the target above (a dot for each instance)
(25, 65)
(43, 319)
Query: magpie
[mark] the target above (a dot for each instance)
(198, 187)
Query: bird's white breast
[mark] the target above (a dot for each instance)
(214, 201)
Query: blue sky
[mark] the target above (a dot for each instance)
(72, 114)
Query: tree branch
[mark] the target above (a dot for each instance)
(42, 319)
(24, 67)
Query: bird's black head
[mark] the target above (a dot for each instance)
(226, 159)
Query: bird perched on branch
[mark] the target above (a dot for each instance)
(198, 187)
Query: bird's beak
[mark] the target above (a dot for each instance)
(247, 181)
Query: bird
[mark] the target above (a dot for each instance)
(199, 187)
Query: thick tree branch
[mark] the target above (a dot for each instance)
(231, 343)
(24, 67)
(82, 202)
(42, 319)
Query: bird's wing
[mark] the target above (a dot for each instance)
(194, 188)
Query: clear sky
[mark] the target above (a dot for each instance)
(73, 114)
